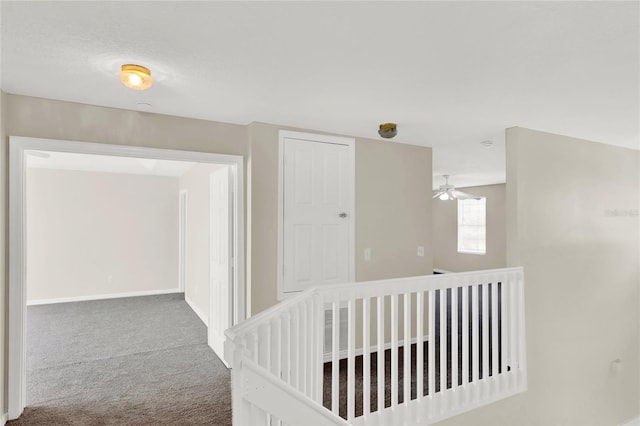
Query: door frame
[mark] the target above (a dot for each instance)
(183, 203)
(17, 242)
(220, 352)
(313, 137)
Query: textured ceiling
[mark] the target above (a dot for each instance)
(451, 74)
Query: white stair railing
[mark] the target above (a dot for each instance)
(417, 350)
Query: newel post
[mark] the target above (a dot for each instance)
(240, 407)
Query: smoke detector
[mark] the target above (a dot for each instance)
(388, 130)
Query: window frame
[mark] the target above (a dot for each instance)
(461, 248)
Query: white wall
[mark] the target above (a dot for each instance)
(572, 209)
(94, 234)
(445, 232)
(196, 183)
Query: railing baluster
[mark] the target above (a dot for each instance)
(431, 358)
(474, 333)
(494, 331)
(454, 340)
(503, 336)
(303, 365)
(443, 341)
(394, 350)
(380, 340)
(267, 346)
(465, 335)
(335, 361)
(522, 354)
(513, 354)
(277, 348)
(311, 353)
(351, 359)
(317, 360)
(485, 331)
(255, 352)
(506, 332)
(294, 330)
(420, 345)
(407, 349)
(366, 356)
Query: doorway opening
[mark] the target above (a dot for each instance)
(20, 147)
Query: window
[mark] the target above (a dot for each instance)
(472, 229)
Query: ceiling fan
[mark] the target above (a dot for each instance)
(449, 192)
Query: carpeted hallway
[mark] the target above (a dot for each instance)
(132, 361)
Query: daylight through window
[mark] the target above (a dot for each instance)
(472, 229)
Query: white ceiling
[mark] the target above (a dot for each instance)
(451, 74)
(106, 163)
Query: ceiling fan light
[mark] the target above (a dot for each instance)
(444, 196)
(136, 77)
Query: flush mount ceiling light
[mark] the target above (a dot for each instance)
(136, 77)
(388, 130)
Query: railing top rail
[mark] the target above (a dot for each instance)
(268, 314)
(370, 289)
(427, 282)
(326, 415)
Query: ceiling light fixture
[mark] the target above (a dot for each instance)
(136, 77)
(388, 130)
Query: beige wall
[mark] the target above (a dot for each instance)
(51, 119)
(572, 207)
(196, 183)
(91, 234)
(4, 288)
(445, 233)
(393, 210)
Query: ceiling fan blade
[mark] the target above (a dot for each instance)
(436, 194)
(465, 196)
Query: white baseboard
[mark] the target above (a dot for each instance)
(101, 297)
(373, 348)
(633, 422)
(204, 318)
(3, 419)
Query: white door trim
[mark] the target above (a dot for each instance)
(182, 239)
(216, 304)
(17, 244)
(338, 140)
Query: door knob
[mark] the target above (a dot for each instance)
(343, 215)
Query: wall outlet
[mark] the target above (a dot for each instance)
(367, 254)
(420, 251)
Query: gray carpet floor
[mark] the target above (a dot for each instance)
(131, 361)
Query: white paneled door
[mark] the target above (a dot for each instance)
(221, 273)
(317, 212)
